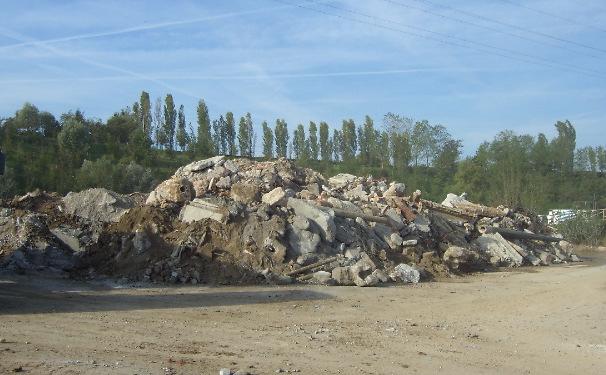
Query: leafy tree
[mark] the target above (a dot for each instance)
(563, 147)
(145, 113)
(313, 141)
(400, 150)
(182, 136)
(204, 140)
(159, 131)
(28, 118)
(298, 143)
(281, 136)
(337, 145)
(349, 143)
(170, 122)
(367, 142)
(325, 150)
(220, 135)
(230, 133)
(73, 142)
(243, 138)
(268, 141)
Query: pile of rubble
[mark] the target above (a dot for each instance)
(241, 221)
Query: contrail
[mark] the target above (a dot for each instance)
(143, 27)
(238, 77)
(24, 39)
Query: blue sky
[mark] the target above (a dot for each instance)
(476, 67)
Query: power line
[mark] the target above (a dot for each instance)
(492, 49)
(500, 31)
(488, 19)
(540, 11)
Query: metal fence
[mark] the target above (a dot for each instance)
(558, 216)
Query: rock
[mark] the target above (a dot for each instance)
(141, 241)
(575, 258)
(456, 256)
(341, 180)
(410, 243)
(452, 200)
(353, 253)
(201, 208)
(395, 189)
(405, 273)
(322, 277)
(301, 223)
(174, 190)
(99, 204)
(343, 276)
(69, 237)
(499, 250)
(245, 193)
(224, 183)
(225, 371)
(323, 219)
(306, 259)
(200, 166)
(275, 197)
(422, 223)
(302, 241)
(358, 193)
(395, 240)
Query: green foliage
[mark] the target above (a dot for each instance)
(281, 136)
(205, 145)
(182, 137)
(584, 229)
(245, 136)
(230, 134)
(123, 177)
(268, 141)
(325, 143)
(313, 141)
(170, 122)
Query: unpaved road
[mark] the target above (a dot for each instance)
(550, 320)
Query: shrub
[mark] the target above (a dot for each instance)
(583, 229)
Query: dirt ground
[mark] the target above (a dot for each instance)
(548, 320)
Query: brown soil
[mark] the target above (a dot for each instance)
(546, 322)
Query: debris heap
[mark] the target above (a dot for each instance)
(225, 221)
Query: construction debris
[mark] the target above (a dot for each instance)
(223, 221)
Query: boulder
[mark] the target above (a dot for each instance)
(341, 180)
(499, 251)
(245, 193)
(200, 166)
(396, 189)
(171, 191)
(405, 273)
(302, 241)
(324, 220)
(275, 197)
(456, 256)
(200, 209)
(98, 204)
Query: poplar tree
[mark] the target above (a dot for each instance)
(268, 141)
(204, 139)
(145, 116)
(243, 138)
(325, 150)
(349, 142)
(230, 133)
(170, 121)
(298, 143)
(181, 136)
(313, 141)
(281, 136)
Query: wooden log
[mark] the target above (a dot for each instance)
(520, 235)
(377, 219)
(479, 210)
(447, 210)
(312, 266)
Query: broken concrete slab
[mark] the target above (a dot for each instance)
(324, 219)
(500, 251)
(405, 273)
(100, 205)
(200, 209)
(171, 191)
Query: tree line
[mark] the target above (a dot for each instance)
(142, 144)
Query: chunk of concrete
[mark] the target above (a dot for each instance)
(324, 219)
(499, 250)
(302, 241)
(245, 193)
(405, 273)
(200, 209)
(201, 165)
(341, 180)
(174, 190)
(456, 256)
(277, 196)
(396, 189)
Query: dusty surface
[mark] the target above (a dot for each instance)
(549, 320)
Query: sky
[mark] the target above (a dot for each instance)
(475, 66)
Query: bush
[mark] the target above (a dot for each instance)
(583, 229)
(121, 177)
